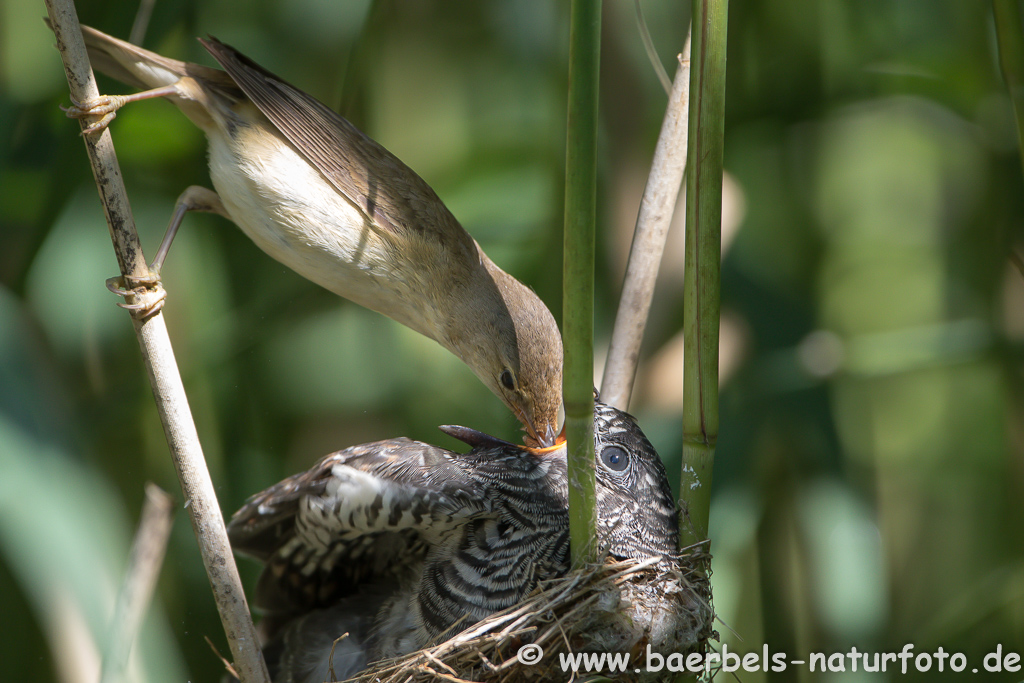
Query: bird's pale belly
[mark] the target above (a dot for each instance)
(293, 214)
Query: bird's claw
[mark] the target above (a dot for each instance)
(104, 106)
(149, 295)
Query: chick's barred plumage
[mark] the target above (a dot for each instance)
(399, 543)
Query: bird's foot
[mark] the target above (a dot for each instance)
(104, 106)
(147, 293)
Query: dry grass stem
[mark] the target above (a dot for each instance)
(147, 556)
(619, 606)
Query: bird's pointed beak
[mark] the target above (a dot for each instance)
(552, 434)
(535, 440)
(556, 432)
(550, 437)
(532, 439)
(558, 445)
(475, 438)
(478, 439)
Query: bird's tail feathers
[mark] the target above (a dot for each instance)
(141, 68)
(129, 63)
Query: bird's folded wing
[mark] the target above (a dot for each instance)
(362, 514)
(391, 194)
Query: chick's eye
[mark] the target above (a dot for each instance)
(614, 458)
(507, 381)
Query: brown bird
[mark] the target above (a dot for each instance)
(321, 197)
(398, 542)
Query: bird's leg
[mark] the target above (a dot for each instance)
(194, 198)
(106, 106)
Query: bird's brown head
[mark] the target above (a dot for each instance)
(516, 351)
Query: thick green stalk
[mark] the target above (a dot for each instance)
(701, 285)
(1010, 39)
(578, 271)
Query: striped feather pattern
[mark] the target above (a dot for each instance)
(443, 539)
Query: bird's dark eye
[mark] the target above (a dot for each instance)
(507, 381)
(615, 458)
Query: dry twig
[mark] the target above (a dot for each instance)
(652, 223)
(144, 563)
(158, 356)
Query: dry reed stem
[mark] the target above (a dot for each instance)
(158, 357)
(652, 223)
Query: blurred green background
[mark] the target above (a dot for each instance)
(870, 469)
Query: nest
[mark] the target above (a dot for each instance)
(617, 607)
